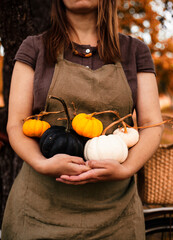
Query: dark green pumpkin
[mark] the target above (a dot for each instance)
(58, 139)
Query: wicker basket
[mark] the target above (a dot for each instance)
(155, 179)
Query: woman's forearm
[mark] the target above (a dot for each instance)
(28, 149)
(148, 113)
(25, 147)
(148, 143)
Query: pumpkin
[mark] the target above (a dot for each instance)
(104, 147)
(35, 127)
(57, 140)
(129, 135)
(86, 125)
(60, 139)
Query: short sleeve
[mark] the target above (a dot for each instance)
(27, 52)
(144, 60)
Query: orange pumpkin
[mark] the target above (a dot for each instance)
(35, 127)
(86, 125)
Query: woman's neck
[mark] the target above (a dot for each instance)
(84, 26)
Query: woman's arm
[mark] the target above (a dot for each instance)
(148, 113)
(20, 107)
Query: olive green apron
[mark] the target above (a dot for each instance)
(41, 208)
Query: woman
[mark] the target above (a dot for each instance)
(84, 60)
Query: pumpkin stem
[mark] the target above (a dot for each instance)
(66, 111)
(154, 125)
(75, 109)
(92, 114)
(114, 112)
(112, 124)
(125, 127)
(43, 113)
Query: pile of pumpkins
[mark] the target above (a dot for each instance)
(83, 137)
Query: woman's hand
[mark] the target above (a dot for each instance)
(107, 170)
(62, 164)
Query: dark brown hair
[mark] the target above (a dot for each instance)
(57, 37)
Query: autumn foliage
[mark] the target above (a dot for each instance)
(145, 19)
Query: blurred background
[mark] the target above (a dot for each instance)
(149, 20)
(152, 22)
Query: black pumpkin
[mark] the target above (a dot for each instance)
(58, 139)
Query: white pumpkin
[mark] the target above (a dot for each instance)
(110, 147)
(131, 137)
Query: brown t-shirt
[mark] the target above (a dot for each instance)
(136, 57)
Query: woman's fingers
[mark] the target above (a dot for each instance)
(62, 164)
(96, 164)
(77, 160)
(75, 183)
(91, 174)
(79, 168)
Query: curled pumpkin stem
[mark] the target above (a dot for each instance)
(111, 111)
(153, 125)
(41, 114)
(75, 109)
(116, 122)
(74, 113)
(66, 111)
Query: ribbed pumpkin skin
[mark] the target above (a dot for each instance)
(130, 138)
(35, 127)
(104, 147)
(86, 126)
(56, 140)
